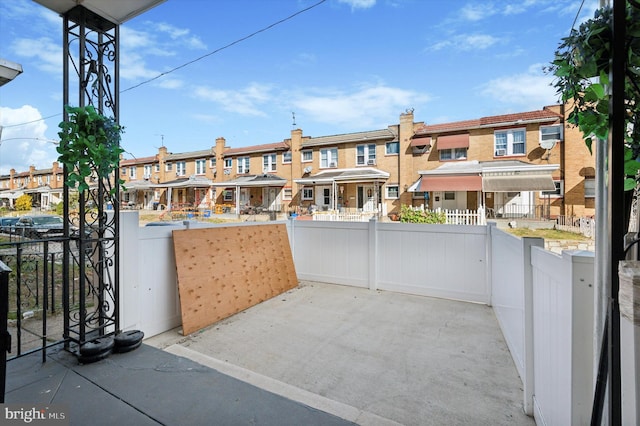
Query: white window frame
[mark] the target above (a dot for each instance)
(550, 136)
(168, 167)
(589, 188)
(243, 165)
(157, 167)
(212, 162)
(453, 154)
(181, 168)
(227, 195)
(366, 154)
(287, 194)
(558, 193)
(201, 166)
(132, 172)
(269, 162)
(305, 152)
(388, 191)
(228, 163)
(388, 144)
(307, 193)
(507, 150)
(286, 157)
(328, 158)
(147, 170)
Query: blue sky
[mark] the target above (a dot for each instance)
(342, 66)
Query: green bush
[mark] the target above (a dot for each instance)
(409, 215)
(24, 202)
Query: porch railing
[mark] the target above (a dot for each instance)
(345, 216)
(579, 225)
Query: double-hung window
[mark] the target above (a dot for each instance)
(147, 171)
(286, 157)
(392, 192)
(307, 155)
(243, 165)
(510, 142)
(181, 168)
(228, 163)
(201, 166)
(328, 158)
(453, 154)
(269, 163)
(366, 155)
(392, 148)
(212, 162)
(168, 167)
(551, 133)
(307, 193)
(132, 172)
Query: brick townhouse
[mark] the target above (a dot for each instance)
(524, 164)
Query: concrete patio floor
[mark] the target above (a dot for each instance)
(371, 357)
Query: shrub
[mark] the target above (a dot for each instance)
(24, 202)
(410, 215)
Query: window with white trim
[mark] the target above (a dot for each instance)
(366, 155)
(123, 171)
(243, 165)
(287, 194)
(201, 166)
(228, 163)
(227, 195)
(589, 187)
(392, 148)
(328, 158)
(269, 163)
(212, 162)
(556, 193)
(147, 171)
(509, 142)
(286, 157)
(551, 133)
(307, 155)
(168, 167)
(181, 168)
(157, 167)
(453, 154)
(132, 172)
(392, 192)
(307, 193)
(449, 195)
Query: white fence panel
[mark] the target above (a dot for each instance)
(563, 336)
(433, 260)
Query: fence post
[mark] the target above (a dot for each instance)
(373, 253)
(5, 337)
(528, 379)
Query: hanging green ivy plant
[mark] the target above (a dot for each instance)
(581, 66)
(89, 146)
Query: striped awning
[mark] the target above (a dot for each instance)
(450, 183)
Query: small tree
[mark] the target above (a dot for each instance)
(24, 202)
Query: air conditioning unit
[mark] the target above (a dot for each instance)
(332, 164)
(307, 169)
(371, 163)
(500, 152)
(147, 177)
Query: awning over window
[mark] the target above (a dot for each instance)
(518, 183)
(453, 141)
(450, 183)
(421, 141)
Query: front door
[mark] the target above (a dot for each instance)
(366, 198)
(270, 196)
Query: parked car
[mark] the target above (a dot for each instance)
(7, 224)
(40, 226)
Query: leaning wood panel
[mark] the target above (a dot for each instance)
(222, 271)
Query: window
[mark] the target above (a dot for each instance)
(307, 193)
(123, 171)
(181, 168)
(228, 163)
(147, 171)
(168, 167)
(286, 157)
(268, 163)
(287, 194)
(228, 195)
(391, 192)
(366, 155)
(132, 172)
(329, 157)
(212, 162)
(326, 196)
(157, 167)
(307, 156)
(551, 133)
(392, 148)
(510, 142)
(589, 187)
(449, 195)
(453, 154)
(558, 192)
(243, 165)
(201, 166)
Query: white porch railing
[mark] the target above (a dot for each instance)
(336, 216)
(465, 217)
(580, 225)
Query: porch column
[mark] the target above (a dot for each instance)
(237, 199)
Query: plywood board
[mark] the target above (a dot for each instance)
(225, 270)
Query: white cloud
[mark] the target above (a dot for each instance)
(246, 101)
(48, 54)
(367, 106)
(477, 12)
(530, 90)
(25, 145)
(467, 42)
(359, 4)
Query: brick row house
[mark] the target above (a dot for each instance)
(530, 164)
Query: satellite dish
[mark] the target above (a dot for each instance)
(547, 144)
(307, 169)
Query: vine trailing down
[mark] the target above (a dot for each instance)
(581, 65)
(89, 146)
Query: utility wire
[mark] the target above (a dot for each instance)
(240, 40)
(577, 15)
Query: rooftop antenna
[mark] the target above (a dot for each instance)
(293, 114)
(161, 139)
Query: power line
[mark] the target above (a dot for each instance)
(240, 40)
(577, 15)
